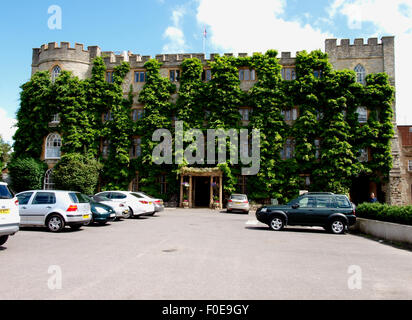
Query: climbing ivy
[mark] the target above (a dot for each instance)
(327, 102)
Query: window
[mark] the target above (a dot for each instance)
(288, 150)
(343, 202)
(319, 115)
(306, 202)
(174, 75)
(109, 77)
(247, 75)
(290, 115)
(136, 148)
(117, 195)
(140, 76)
(55, 73)
(108, 116)
(55, 118)
(79, 197)
(135, 183)
(317, 73)
(24, 198)
(289, 74)
(207, 75)
(363, 155)
(360, 74)
(325, 202)
(242, 184)
(137, 114)
(44, 198)
(53, 146)
(410, 165)
(307, 181)
(105, 148)
(5, 192)
(245, 113)
(48, 183)
(317, 149)
(362, 114)
(163, 184)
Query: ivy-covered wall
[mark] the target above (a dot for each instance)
(327, 101)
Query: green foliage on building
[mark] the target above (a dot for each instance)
(326, 135)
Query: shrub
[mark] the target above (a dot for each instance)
(384, 212)
(77, 172)
(26, 174)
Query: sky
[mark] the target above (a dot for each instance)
(150, 27)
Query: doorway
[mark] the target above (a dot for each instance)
(201, 192)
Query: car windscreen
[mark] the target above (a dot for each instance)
(79, 197)
(238, 197)
(5, 192)
(101, 198)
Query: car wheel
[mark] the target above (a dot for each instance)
(130, 214)
(76, 226)
(277, 224)
(55, 223)
(337, 226)
(102, 223)
(152, 214)
(3, 240)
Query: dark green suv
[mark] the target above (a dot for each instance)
(333, 212)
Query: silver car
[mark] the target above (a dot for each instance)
(53, 209)
(238, 202)
(121, 209)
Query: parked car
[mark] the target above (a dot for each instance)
(121, 209)
(238, 202)
(53, 209)
(137, 206)
(333, 212)
(9, 213)
(158, 203)
(101, 213)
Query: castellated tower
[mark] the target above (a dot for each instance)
(374, 57)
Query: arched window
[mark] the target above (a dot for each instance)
(55, 73)
(53, 146)
(360, 74)
(48, 180)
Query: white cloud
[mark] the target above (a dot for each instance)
(7, 128)
(390, 18)
(174, 34)
(251, 26)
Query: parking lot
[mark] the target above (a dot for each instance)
(200, 254)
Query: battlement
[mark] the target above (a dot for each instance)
(358, 49)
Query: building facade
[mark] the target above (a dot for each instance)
(364, 58)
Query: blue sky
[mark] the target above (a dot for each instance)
(150, 27)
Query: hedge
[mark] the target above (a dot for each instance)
(385, 212)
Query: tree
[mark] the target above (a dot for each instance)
(26, 174)
(77, 172)
(5, 150)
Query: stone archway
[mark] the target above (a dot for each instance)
(187, 178)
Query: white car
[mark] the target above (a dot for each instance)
(53, 209)
(9, 213)
(121, 208)
(137, 206)
(159, 206)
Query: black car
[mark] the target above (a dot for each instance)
(333, 212)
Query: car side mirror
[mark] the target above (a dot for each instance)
(295, 206)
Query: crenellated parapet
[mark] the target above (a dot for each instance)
(358, 49)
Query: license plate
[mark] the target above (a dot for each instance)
(4, 211)
(238, 202)
(86, 216)
(150, 202)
